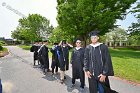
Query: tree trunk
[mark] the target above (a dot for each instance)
(114, 44)
(85, 41)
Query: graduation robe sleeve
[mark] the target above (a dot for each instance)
(72, 57)
(107, 62)
(86, 59)
(32, 49)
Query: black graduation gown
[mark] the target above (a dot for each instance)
(44, 56)
(64, 57)
(55, 61)
(77, 61)
(40, 56)
(97, 60)
(34, 49)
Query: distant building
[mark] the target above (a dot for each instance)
(7, 41)
(2, 39)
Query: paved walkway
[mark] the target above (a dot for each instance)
(20, 76)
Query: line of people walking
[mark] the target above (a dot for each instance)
(94, 61)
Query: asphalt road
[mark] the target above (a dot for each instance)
(20, 76)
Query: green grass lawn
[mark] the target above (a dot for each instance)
(3, 52)
(5, 49)
(126, 63)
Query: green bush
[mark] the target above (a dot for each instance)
(1, 48)
(2, 43)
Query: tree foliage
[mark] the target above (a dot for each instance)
(79, 17)
(58, 35)
(116, 35)
(134, 29)
(32, 28)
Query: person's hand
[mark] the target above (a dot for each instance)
(60, 43)
(88, 74)
(53, 47)
(102, 78)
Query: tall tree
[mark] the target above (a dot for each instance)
(134, 29)
(33, 27)
(79, 17)
(58, 35)
(116, 35)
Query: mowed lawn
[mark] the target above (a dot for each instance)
(126, 63)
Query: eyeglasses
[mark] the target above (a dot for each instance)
(94, 37)
(78, 42)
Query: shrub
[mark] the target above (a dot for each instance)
(1, 48)
(2, 43)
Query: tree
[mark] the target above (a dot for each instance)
(58, 35)
(32, 28)
(116, 35)
(134, 29)
(79, 17)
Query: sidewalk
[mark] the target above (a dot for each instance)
(23, 59)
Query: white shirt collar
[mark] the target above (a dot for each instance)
(98, 44)
(77, 48)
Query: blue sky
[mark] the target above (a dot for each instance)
(9, 19)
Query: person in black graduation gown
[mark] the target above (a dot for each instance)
(63, 57)
(77, 61)
(34, 49)
(39, 54)
(43, 52)
(98, 65)
(55, 61)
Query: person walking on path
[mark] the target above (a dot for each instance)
(43, 52)
(34, 49)
(55, 61)
(64, 48)
(77, 61)
(98, 65)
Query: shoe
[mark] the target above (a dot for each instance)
(52, 74)
(72, 86)
(62, 81)
(48, 70)
(44, 72)
(56, 73)
(64, 77)
(81, 89)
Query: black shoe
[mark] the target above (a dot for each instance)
(82, 90)
(62, 81)
(44, 72)
(52, 74)
(72, 86)
(48, 70)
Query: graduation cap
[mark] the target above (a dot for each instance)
(64, 42)
(36, 40)
(55, 43)
(45, 40)
(77, 40)
(39, 40)
(94, 33)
